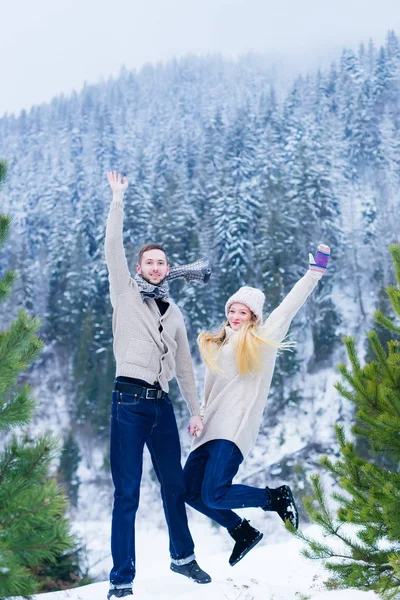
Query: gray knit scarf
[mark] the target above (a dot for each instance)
(199, 270)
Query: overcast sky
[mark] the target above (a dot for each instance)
(53, 46)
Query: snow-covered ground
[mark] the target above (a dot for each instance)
(271, 571)
(274, 570)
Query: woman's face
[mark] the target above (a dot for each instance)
(238, 314)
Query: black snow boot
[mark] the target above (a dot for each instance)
(119, 592)
(246, 537)
(282, 501)
(192, 571)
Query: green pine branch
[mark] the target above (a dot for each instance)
(18, 409)
(394, 297)
(32, 460)
(381, 356)
(6, 284)
(3, 171)
(8, 279)
(15, 579)
(394, 250)
(33, 526)
(386, 322)
(368, 494)
(18, 346)
(5, 226)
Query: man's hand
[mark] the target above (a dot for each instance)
(195, 426)
(117, 183)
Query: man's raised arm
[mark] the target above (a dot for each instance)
(117, 265)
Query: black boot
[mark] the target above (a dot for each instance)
(246, 537)
(192, 571)
(119, 592)
(282, 501)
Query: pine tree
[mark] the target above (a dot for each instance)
(63, 572)
(69, 463)
(32, 523)
(235, 209)
(367, 521)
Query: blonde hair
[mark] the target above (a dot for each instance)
(248, 347)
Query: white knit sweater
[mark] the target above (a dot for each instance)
(141, 350)
(234, 404)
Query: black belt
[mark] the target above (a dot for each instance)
(139, 390)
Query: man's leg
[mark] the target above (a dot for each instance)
(165, 451)
(194, 472)
(130, 426)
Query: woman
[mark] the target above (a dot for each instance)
(240, 360)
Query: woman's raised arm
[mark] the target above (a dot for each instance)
(277, 324)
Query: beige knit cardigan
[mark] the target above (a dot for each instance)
(141, 350)
(234, 404)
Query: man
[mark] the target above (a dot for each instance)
(150, 347)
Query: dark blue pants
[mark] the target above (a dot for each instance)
(134, 423)
(208, 472)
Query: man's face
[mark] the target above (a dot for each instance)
(153, 267)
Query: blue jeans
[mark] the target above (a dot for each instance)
(135, 422)
(208, 472)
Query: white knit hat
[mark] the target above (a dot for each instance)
(250, 297)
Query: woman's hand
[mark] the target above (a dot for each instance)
(321, 260)
(196, 426)
(117, 183)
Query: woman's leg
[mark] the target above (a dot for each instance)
(217, 491)
(194, 471)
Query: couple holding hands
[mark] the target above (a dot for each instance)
(150, 347)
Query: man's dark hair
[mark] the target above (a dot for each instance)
(148, 247)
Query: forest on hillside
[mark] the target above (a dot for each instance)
(221, 163)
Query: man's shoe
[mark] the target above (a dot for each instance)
(192, 571)
(282, 501)
(119, 592)
(246, 537)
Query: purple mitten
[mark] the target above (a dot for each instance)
(321, 260)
